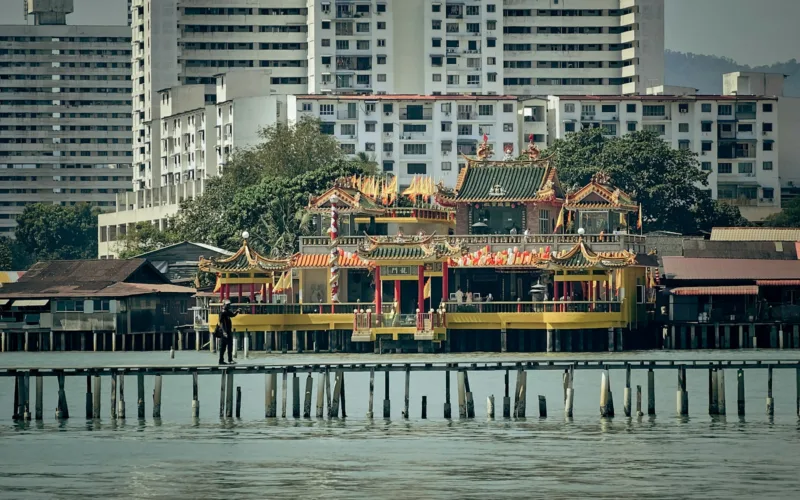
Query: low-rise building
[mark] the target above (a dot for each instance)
(71, 305)
(736, 138)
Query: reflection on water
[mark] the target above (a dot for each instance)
(181, 457)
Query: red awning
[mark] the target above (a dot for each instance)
(716, 290)
(778, 282)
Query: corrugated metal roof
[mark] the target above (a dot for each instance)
(716, 290)
(765, 250)
(778, 282)
(754, 234)
(684, 268)
(307, 261)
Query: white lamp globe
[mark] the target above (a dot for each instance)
(245, 235)
(581, 231)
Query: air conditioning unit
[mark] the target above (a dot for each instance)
(764, 132)
(684, 111)
(388, 154)
(388, 114)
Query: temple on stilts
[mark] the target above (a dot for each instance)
(508, 260)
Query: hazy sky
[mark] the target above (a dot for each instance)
(750, 31)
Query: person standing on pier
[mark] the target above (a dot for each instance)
(226, 341)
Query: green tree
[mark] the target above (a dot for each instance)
(144, 237)
(6, 255)
(788, 217)
(55, 232)
(667, 182)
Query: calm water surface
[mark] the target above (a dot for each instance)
(252, 457)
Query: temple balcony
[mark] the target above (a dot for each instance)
(499, 242)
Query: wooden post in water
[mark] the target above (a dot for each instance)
(682, 395)
(506, 399)
(239, 400)
(284, 390)
(448, 410)
(604, 394)
(121, 399)
(462, 396)
(96, 397)
(16, 413)
(229, 393)
(295, 396)
(542, 407)
(39, 412)
(740, 392)
(337, 391)
(26, 383)
(387, 405)
(424, 411)
(157, 397)
(626, 393)
(195, 395)
(269, 395)
(307, 400)
(321, 395)
(712, 391)
(344, 399)
(371, 392)
(62, 410)
(568, 402)
(520, 400)
(114, 394)
(140, 394)
(327, 392)
(651, 392)
(468, 394)
(770, 401)
(490, 407)
(721, 392)
(222, 386)
(797, 385)
(408, 387)
(89, 399)
(639, 401)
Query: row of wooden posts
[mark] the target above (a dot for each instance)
(330, 398)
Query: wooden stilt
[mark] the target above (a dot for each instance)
(506, 398)
(462, 396)
(468, 394)
(626, 395)
(639, 401)
(321, 395)
(740, 392)
(307, 400)
(542, 407)
(195, 394)
(424, 410)
(295, 396)
(337, 391)
(39, 414)
(721, 410)
(387, 404)
(113, 394)
(229, 393)
(284, 391)
(140, 391)
(121, 399)
(89, 399)
(222, 386)
(770, 401)
(371, 392)
(238, 401)
(157, 397)
(408, 385)
(651, 392)
(568, 401)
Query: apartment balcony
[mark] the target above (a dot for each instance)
(425, 115)
(347, 114)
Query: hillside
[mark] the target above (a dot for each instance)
(705, 72)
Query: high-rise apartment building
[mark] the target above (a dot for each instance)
(65, 112)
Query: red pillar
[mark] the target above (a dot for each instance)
(252, 298)
(378, 290)
(269, 293)
(397, 294)
(228, 292)
(240, 293)
(221, 292)
(445, 282)
(421, 288)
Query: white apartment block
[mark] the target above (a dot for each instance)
(415, 135)
(65, 113)
(196, 138)
(736, 138)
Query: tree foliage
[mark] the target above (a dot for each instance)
(144, 237)
(788, 217)
(6, 255)
(667, 182)
(264, 190)
(55, 232)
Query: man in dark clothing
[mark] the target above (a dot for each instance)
(226, 341)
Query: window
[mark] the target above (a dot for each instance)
(491, 42)
(370, 146)
(326, 42)
(745, 127)
(490, 8)
(388, 127)
(705, 107)
(569, 107)
(631, 126)
(508, 108)
(630, 108)
(388, 166)
(381, 42)
(436, 25)
(465, 130)
(767, 145)
(326, 128)
(768, 193)
(766, 127)
(654, 110)
(683, 128)
(587, 110)
(725, 168)
(381, 25)
(369, 127)
(706, 146)
(348, 129)
(767, 165)
(436, 8)
(436, 77)
(102, 305)
(683, 145)
(486, 110)
(569, 127)
(610, 129)
(746, 168)
(705, 166)
(683, 107)
(656, 128)
(706, 126)
(388, 147)
(326, 109)
(491, 61)
(609, 108)
(508, 127)
(417, 169)
(446, 166)
(381, 59)
(388, 108)
(766, 107)
(415, 149)
(447, 126)
(491, 25)
(437, 42)
(725, 109)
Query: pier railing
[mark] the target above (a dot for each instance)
(319, 308)
(534, 307)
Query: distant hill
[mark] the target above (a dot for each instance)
(705, 72)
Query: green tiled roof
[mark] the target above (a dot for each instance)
(395, 252)
(520, 182)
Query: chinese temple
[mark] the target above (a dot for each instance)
(507, 260)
